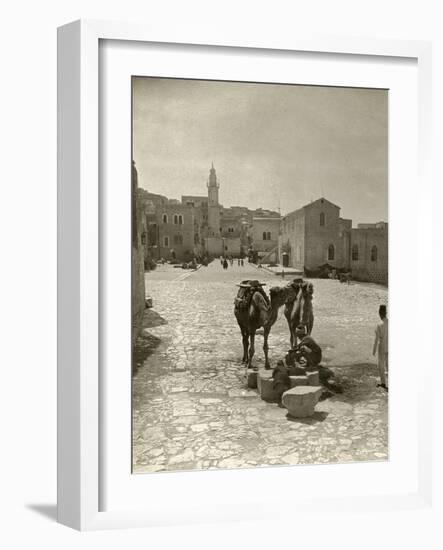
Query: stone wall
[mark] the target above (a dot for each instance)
(268, 226)
(322, 231)
(372, 248)
(292, 239)
(138, 271)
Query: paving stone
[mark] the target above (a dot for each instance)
(301, 400)
(202, 337)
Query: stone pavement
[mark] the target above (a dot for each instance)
(191, 409)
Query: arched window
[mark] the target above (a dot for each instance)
(180, 220)
(175, 219)
(268, 236)
(331, 252)
(322, 218)
(166, 241)
(354, 254)
(264, 235)
(165, 218)
(374, 253)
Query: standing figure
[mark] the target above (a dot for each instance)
(381, 344)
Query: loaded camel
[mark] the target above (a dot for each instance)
(298, 311)
(253, 310)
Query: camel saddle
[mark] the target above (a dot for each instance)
(246, 291)
(251, 284)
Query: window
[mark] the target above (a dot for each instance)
(178, 239)
(165, 218)
(322, 219)
(166, 241)
(264, 235)
(354, 254)
(230, 230)
(374, 254)
(268, 236)
(180, 220)
(331, 252)
(175, 219)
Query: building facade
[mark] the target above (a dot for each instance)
(138, 272)
(264, 237)
(316, 235)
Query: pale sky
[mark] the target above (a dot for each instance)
(272, 145)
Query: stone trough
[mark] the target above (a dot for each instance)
(301, 400)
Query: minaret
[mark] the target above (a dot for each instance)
(213, 205)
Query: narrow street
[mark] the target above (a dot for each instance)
(191, 408)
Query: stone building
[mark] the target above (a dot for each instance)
(264, 237)
(369, 252)
(178, 231)
(199, 225)
(138, 271)
(316, 235)
(313, 236)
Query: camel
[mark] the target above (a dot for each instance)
(253, 310)
(299, 311)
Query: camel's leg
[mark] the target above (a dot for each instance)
(311, 325)
(251, 349)
(266, 347)
(291, 336)
(245, 337)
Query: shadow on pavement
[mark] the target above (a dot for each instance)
(318, 416)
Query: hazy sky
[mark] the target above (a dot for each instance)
(272, 145)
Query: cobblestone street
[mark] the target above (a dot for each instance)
(191, 408)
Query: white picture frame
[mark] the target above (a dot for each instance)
(79, 260)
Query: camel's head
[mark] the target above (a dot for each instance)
(297, 284)
(280, 294)
(307, 289)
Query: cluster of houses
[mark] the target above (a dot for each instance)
(305, 239)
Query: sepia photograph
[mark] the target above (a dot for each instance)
(259, 274)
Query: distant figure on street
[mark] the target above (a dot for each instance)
(221, 260)
(238, 261)
(225, 264)
(308, 347)
(381, 344)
